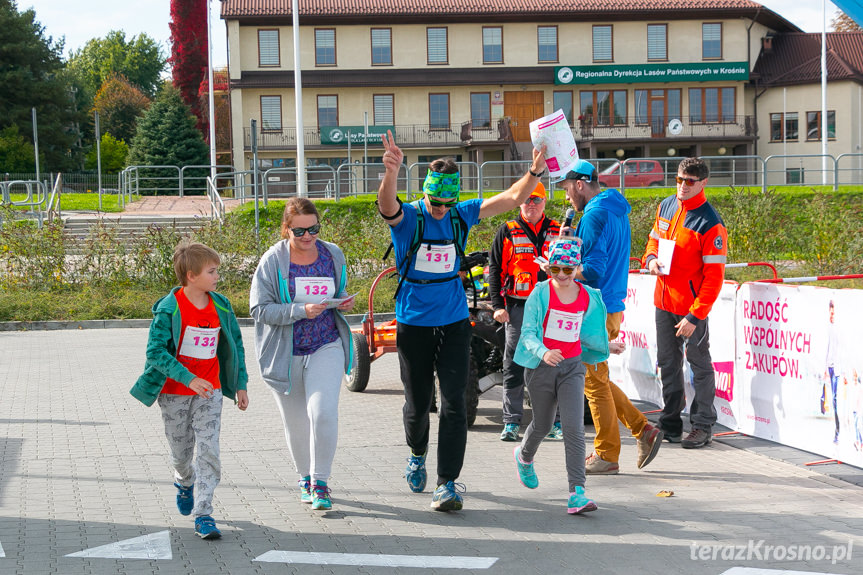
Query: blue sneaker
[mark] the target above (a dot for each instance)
(306, 489)
(579, 503)
(510, 432)
(321, 497)
(205, 527)
(415, 472)
(556, 432)
(526, 474)
(185, 498)
(446, 497)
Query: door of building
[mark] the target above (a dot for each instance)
(662, 106)
(522, 109)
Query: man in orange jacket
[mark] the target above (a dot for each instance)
(689, 232)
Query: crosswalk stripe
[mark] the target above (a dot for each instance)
(372, 560)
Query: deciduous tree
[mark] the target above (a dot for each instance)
(119, 104)
(139, 60)
(114, 153)
(189, 52)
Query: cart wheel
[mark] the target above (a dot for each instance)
(471, 392)
(359, 377)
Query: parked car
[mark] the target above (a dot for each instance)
(637, 174)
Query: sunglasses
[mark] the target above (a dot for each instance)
(300, 232)
(534, 200)
(557, 269)
(688, 181)
(446, 204)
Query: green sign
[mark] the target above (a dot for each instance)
(338, 135)
(637, 73)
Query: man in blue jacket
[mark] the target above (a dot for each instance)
(605, 231)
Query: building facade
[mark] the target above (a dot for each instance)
(464, 78)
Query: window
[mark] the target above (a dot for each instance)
(382, 49)
(268, 48)
(656, 107)
(439, 111)
(712, 105)
(563, 101)
(492, 45)
(813, 125)
(325, 47)
(437, 45)
(271, 113)
(604, 107)
(711, 41)
(602, 50)
(783, 131)
(657, 42)
(480, 110)
(328, 111)
(383, 105)
(546, 42)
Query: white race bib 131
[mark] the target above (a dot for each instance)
(436, 259)
(563, 325)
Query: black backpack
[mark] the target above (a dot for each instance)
(459, 232)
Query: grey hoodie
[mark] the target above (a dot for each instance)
(274, 314)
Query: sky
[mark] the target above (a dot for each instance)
(78, 22)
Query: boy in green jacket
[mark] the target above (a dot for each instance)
(194, 357)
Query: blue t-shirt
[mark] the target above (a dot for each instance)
(431, 304)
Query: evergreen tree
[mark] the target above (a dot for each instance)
(166, 135)
(31, 76)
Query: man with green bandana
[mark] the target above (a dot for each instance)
(433, 331)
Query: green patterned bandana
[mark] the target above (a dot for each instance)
(441, 185)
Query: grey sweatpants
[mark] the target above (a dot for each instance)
(550, 388)
(190, 421)
(310, 412)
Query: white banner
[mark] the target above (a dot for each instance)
(788, 364)
(799, 364)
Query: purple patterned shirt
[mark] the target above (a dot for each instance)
(312, 334)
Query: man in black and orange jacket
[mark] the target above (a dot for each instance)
(686, 288)
(513, 273)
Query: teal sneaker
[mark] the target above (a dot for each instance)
(415, 472)
(579, 503)
(185, 498)
(306, 489)
(321, 497)
(205, 528)
(526, 474)
(556, 432)
(446, 497)
(510, 432)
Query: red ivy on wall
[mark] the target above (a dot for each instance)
(189, 54)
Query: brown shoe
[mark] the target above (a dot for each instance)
(595, 465)
(649, 444)
(696, 438)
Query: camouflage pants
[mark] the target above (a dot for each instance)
(191, 420)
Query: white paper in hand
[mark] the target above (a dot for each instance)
(664, 255)
(553, 132)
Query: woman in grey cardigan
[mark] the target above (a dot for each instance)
(303, 341)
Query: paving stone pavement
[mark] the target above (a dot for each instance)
(83, 464)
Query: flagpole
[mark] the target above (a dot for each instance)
(824, 93)
(298, 102)
(211, 99)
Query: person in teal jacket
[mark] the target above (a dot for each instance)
(562, 330)
(194, 356)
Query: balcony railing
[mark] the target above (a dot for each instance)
(406, 135)
(628, 128)
(499, 131)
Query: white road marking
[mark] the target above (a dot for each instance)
(153, 546)
(754, 571)
(372, 560)
(2, 553)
